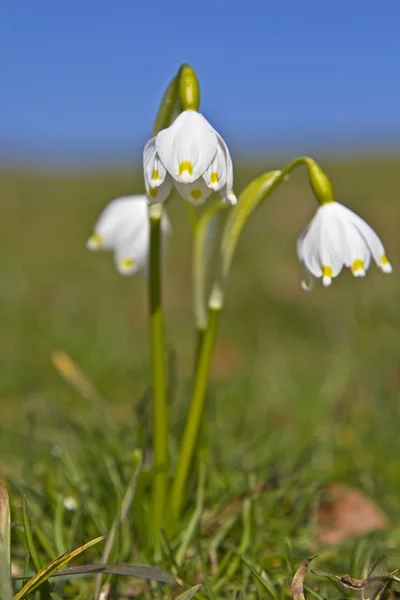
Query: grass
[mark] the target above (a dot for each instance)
(304, 388)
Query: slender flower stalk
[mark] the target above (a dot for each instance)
(196, 411)
(157, 335)
(159, 374)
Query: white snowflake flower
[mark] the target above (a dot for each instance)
(124, 228)
(337, 237)
(193, 156)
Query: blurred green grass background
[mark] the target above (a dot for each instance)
(290, 366)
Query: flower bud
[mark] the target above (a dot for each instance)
(320, 183)
(189, 89)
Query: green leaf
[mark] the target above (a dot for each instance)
(126, 570)
(250, 199)
(44, 574)
(167, 105)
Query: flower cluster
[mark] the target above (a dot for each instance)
(191, 155)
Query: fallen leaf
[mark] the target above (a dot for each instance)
(346, 512)
(298, 579)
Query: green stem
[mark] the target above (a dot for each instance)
(199, 342)
(159, 373)
(196, 412)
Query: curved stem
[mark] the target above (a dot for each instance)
(276, 178)
(195, 416)
(159, 373)
(203, 363)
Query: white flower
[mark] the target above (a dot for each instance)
(193, 156)
(124, 228)
(337, 237)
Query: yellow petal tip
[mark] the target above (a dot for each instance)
(186, 165)
(94, 242)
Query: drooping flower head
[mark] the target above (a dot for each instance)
(123, 227)
(337, 237)
(193, 156)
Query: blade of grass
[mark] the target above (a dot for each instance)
(262, 577)
(244, 544)
(195, 519)
(127, 570)
(188, 594)
(119, 520)
(59, 527)
(209, 591)
(29, 537)
(48, 570)
(45, 542)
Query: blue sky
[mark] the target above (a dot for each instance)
(81, 80)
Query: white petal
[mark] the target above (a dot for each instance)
(333, 242)
(196, 193)
(154, 170)
(149, 158)
(187, 147)
(308, 247)
(121, 218)
(94, 242)
(307, 284)
(227, 193)
(322, 246)
(226, 190)
(371, 238)
(159, 174)
(161, 193)
(326, 280)
(358, 255)
(215, 175)
(132, 255)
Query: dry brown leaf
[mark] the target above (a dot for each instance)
(298, 579)
(346, 512)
